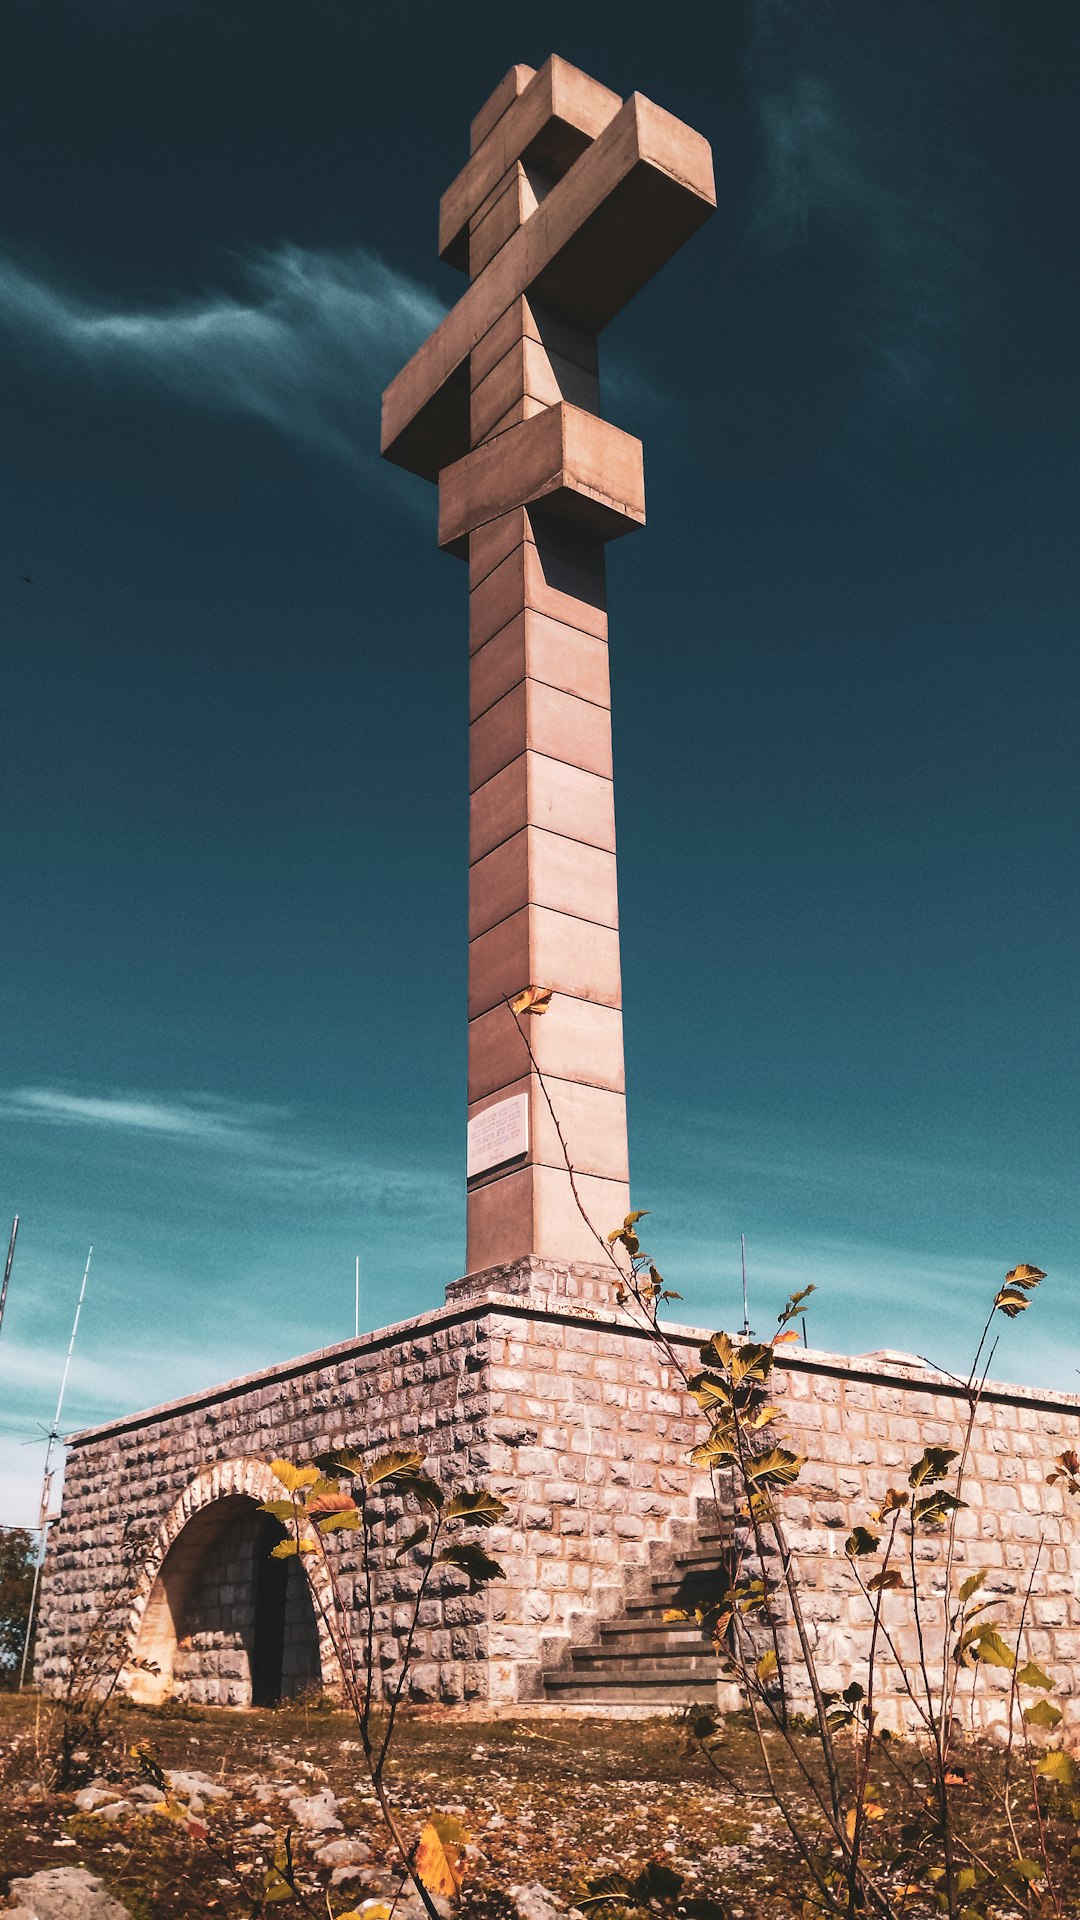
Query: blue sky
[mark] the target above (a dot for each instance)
(844, 663)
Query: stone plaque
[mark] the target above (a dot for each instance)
(499, 1134)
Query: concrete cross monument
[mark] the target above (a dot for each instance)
(570, 202)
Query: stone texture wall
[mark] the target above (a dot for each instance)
(527, 1382)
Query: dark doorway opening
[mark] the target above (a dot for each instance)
(268, 1628)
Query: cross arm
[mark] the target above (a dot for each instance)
(551, 121)
(642, 187)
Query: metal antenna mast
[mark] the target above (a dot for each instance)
(357, 1315)
(747, 1330)
(7, 1267)
(47, 1477)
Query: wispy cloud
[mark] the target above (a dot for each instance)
(210, 1120)
(242, 1143)
(306, 347)
(869, 161)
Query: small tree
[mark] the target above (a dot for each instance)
(16, 1585)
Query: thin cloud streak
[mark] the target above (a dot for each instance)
(866, 158)
(306, 350)
(210, 1121)
(250, 1142)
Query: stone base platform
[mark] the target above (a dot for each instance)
(527, 1380)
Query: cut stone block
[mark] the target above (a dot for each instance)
(585, 472)
(546, 720)
(573, 1040)
(542, 869)
(592, 1121)
(543, 792)
(549, 121)
(538, 648)
(535, 1206)
(635, 195)
(538, 947)
(543, 579)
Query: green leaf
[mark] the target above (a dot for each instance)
(933, 1464)
(933, 1507)
(340, 1460)
(1042, 1714)
(709, 1390)
(777, 1468)
(718, 1352)
(348, 1522)
(1030, 1675)
(472, 1560)
(479, 1508)
(656, 1881)
(988, 1647)
(1029, 1869)
(766, 1666)
(284, 1550)
(1057, 1766)
(609, 1890)
(423, 1488)
(792, 1305)
(971, 1585)
(716, 1450)
(861, 1541)
(412, 1539)
(752, 1362)
(391, 1466)
(281, 1509)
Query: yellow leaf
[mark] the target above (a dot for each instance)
(330, 1503)
(438, 1855)
(531, 1000)
(294, 1477)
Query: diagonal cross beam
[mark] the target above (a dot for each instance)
(571, 201)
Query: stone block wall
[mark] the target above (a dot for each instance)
(527, 1381)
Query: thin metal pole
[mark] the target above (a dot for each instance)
(7, 1267)
(47, 1478)
(745, 1307)
(358, 1296)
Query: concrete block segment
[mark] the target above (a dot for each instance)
(618, 214)
(570, 201)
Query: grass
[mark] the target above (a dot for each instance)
(551, 1801)
(554, 1800)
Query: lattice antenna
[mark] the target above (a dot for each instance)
(7, 1267)
(47, 1477)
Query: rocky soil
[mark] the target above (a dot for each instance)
(545, 1803)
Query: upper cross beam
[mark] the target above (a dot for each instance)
(545, 125)
(639, 189)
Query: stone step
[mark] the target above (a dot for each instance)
(675, 1688)
(641, 1660)
(642, 1636)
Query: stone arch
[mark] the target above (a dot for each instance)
(219, 1496)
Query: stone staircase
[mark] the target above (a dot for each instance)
(637, 1659)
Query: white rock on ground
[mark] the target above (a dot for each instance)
(346, 1852)
(318, 1812)
(534, 1902)
(65, 1893)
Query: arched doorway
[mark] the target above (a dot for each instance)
(222, 1620)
